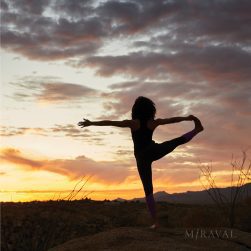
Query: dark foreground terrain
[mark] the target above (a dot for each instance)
(109, 225)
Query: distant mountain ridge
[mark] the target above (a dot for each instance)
(193, 197)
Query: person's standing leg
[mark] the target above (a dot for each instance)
(145, 172)
(152, 209)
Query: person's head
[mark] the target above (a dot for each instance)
(143, 109)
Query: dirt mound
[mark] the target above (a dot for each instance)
(133, 239)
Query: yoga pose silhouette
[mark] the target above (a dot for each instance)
(146, 150)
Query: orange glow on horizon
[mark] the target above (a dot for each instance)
(18, 176)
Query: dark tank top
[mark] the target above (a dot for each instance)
(142, 137)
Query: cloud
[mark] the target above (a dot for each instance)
(26, 6)
(77, 133)
(168, 177)
(217, 25)
(134, 16)
(119, 100)
(223, 134)
(28, 30)
(66, 130)
(176, 97)
(14, 156)
(211, 64)
(168, 171)
(224, 112)
(102, 171)
(73, 8)
(64, 91)
(12, 131)
(51, 91)
(49, 30)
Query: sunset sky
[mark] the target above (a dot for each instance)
(62, 61)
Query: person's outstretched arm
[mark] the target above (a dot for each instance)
(173, 120)
(120, 123)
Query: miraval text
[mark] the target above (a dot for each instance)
(200, 233)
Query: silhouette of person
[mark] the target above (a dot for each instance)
(146, 150)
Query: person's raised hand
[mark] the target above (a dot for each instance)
(84, 123)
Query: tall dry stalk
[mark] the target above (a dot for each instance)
(240, 175)
(74, 192)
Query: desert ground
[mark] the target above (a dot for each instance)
(116, 225)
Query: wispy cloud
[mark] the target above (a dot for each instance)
(109, 172)
(51, 91)
(67, 130)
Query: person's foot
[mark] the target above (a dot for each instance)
(155, 226)
(198, 125)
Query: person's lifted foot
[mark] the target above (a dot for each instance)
(198, 125)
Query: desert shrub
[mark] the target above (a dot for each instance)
(202, 217)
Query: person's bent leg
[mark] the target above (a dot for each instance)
(198, 128)
(160, 150)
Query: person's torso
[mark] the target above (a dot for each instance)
(142, 137)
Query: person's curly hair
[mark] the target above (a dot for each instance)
(143, 109)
